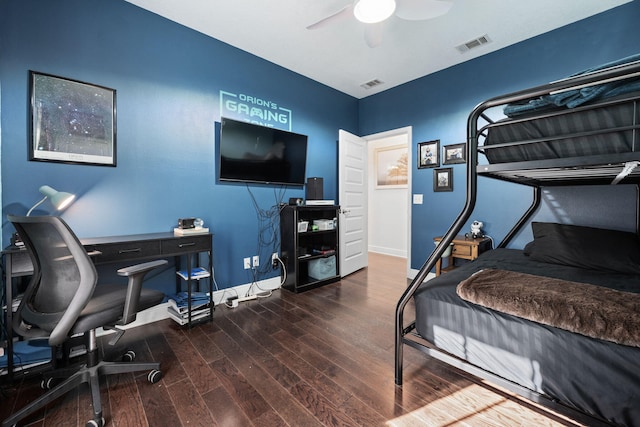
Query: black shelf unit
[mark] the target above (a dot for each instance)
(310, 256)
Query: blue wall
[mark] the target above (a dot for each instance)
(437, 106)
(168, 79)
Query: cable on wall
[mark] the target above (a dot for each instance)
(268, 238)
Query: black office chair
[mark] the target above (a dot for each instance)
(63, 300)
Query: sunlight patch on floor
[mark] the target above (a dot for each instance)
(466, 407)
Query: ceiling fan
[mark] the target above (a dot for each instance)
(375, 12)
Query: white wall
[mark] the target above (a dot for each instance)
(388, 207)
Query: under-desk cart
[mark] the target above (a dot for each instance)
(187, 307)
(309, 246)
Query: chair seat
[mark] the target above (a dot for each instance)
(106, 306)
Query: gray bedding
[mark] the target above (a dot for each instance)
(596, 376)
(594, 131)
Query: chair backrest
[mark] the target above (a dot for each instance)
(63, 281)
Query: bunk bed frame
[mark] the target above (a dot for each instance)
(586, 170)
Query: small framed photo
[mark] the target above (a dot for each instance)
(443, 179)
(71, 121)
(429, 154)
(455, 153)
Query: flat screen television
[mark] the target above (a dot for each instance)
(261, 154)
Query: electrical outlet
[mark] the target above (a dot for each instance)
(247, 263)
(274, 260)
(256, 261)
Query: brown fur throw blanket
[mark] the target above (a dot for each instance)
(590, 310)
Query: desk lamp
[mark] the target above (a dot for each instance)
(59, 199)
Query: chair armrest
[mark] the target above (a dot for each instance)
(136, 274)
(141, 268)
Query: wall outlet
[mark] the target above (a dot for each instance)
(256, 260)
(247, 263)
(274, 260)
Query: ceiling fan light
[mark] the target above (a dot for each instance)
(372, 11)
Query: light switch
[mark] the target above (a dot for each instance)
(417, 199)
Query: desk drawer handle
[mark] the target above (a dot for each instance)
(184, 245)
(128, 251)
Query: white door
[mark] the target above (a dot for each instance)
(352, 189)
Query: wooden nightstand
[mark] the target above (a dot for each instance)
(463, 248)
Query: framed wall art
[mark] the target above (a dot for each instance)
(71, 121)
(443, 179)
(455, 153)
(391, 166)
(429, 154)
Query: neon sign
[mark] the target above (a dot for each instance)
(254, 110)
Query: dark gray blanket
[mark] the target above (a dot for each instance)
(590, 310)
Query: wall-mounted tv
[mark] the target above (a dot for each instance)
(260, 154)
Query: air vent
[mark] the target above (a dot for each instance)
(371, 83)
(472, 44)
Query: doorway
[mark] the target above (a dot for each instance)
(391, 226)
(389, 206)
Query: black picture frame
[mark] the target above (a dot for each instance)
(454, 153)
(429, 154)
(71, 121)
(443, 179)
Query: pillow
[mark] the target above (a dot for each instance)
(528, 248)
(586, 247)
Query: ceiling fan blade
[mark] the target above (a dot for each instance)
(419, 10)
(345, 11)
(373, 34)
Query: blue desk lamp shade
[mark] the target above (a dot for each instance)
(59, 199)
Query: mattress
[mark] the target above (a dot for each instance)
(597, 377)
(584, 131)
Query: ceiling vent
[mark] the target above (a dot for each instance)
(472, 44)
(371, 83)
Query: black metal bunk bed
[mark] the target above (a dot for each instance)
(545, 364)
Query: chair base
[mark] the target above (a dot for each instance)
(89, 375)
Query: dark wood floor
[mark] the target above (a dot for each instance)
(323, 357)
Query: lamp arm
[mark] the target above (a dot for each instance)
(36, 205)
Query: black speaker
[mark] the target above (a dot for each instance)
(315, 189)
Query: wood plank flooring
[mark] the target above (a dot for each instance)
(320, 358)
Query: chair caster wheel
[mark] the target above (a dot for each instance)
(129, 356)
(47, 383)
(96, 423)
(154, 376)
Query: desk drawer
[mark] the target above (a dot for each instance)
(186, 244)
(127, 251)
(461, 251)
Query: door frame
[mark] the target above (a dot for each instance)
(408, 131)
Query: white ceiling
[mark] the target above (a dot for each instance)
(337, 54)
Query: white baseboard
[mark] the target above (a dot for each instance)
(388, 251)
(159, 312)
(413, 273)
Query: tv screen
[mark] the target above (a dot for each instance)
(260, 154)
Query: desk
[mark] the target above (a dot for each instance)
(464, 248)
(115, 249)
